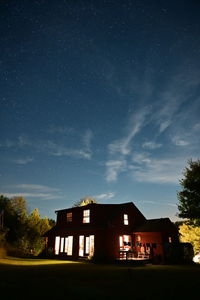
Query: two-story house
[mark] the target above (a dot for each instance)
(109, 231)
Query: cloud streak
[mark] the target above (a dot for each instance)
(104, 196)
(136, 123)
(23, 161)
(51, 147)
(114, 167)
(31, 191)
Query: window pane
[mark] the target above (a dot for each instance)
(70, 245)
(121, 241)
(81, 245)
(86, 216)
(62, 244)
(69, 217)
(87, 245)
(86, 213)
(66, 244)
(57, 244)
(125, 219)
(91, 245)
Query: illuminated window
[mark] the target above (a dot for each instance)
(121, 241)
(70, 245)
(66, 245)
(86, 216)
(126, 239)
(91, 252)
(125, 242)
(87, 245)
(125, 219)
(57, 245)
(81, 245)
(62, 244)
(69, 217)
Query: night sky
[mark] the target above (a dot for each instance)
(98, 98)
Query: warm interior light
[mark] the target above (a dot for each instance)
(81, 245)
(57, 245)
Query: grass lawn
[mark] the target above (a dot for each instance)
(55, 279)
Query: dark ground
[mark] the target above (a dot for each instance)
(95, 281)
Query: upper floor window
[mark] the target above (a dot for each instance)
(69, 217)
(86, 216)
(125, 219)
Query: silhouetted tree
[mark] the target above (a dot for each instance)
(189, 196)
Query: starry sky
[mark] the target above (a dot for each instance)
(100, 99)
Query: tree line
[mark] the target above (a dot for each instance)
(21, 232)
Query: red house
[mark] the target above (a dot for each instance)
(109, 231)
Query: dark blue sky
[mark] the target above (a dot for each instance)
(98, 98)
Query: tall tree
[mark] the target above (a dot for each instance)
(189, 196)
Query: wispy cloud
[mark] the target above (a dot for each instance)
(151, 145)
(23, 161)
(33, 187)
(114, 167)
(197, 127)
(179, 141)
(157, 170)
(42, 196)
(158, 203)
(104, 196)
(136, 123)
(53, 148)
(31, 191)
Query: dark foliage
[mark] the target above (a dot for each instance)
(189, 196)
(20, 232)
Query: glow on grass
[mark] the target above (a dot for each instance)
(33, 262)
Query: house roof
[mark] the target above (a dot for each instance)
(155, 225)
(113, 206)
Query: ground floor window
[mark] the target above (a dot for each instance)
(57, 245)
(69, 245)
(91, 246)
(81, 245)
(64, 245)
(125, 242)
(86, 245)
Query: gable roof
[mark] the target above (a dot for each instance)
(107, 206)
